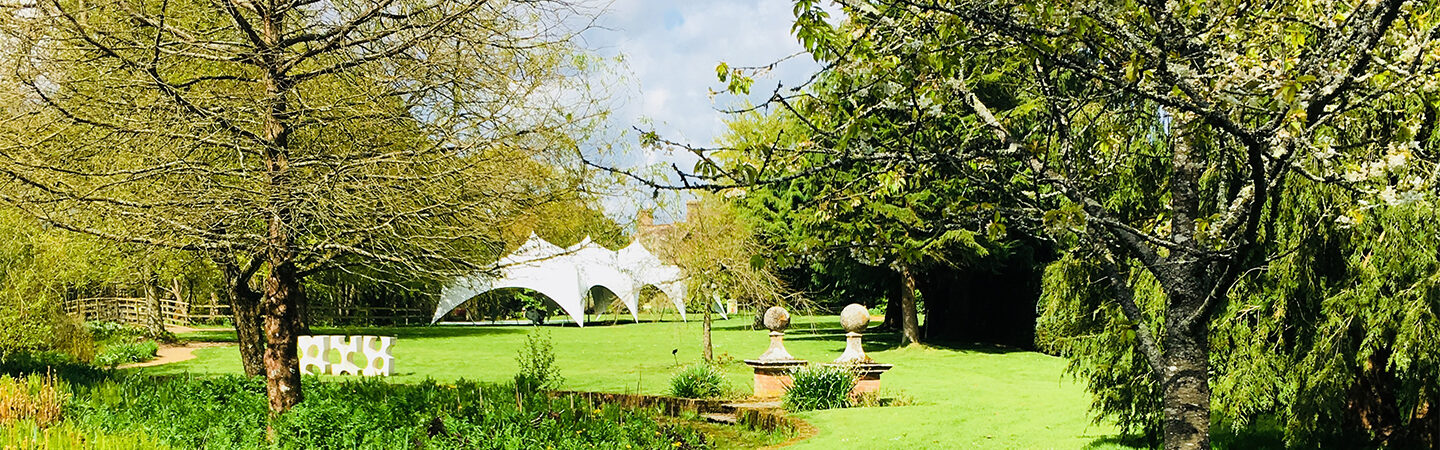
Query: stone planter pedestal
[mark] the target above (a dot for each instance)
(867, 376)
(773, 368)
(854, 318)
(772, 377)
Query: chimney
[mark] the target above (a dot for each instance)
(646, 218)
(692, 211)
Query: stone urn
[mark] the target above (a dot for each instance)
(854, 318)
(773, 368)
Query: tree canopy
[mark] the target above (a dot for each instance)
(290, 136)
(1159, 144)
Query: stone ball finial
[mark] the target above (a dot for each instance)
(854, 318)
(777, 318)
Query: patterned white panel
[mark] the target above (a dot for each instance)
(359, 355)
(312, 354)
(349, 348)
(377, 355)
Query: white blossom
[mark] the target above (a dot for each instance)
(1389, 196)
(1354, 176)
(1345, 220)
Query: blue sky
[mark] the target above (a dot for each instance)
(669, 50)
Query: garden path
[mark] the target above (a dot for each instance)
(172, 354)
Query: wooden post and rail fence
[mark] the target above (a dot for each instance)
(178, 312)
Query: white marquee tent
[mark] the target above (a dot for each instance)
(567, 274)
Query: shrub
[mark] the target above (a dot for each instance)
(819, 387)
(538, 371)
(63, 365)
(127, 352)
(111, 331)
(698, 381)
(165, 336)
(36, 399)
(29, 324)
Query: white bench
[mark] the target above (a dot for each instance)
(359, 355)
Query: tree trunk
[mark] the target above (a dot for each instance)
(910, 317)
(179, 293)
(282, 295)
(245, 313)
(1187, 389)
(154, 316)
(1185, 346)
(893, 310)
(705, 325)
(303, 318)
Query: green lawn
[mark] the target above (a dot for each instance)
(961, 397)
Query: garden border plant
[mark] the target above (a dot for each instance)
(231, 412)
(536, 358)
(819, 387)
(703, 380)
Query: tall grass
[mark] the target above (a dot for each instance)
(35, 398)
(66, 436)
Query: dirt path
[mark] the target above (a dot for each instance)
(173, 353)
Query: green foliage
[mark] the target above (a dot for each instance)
(408, 160)
(113, 331)
(120, 343)
(838, 233)
(41, 268)
(538, 371)
(819, 387)
(533, 305)
(1347, 309)
(36, 268)
(40, 326)
(1166, 173)
(1336, 339)
(698, 381)
(126, 352)
(1081, 321)
(230, 412)
(62, 365)
(67, 436)
(874, 215)
(106, 333)
(567, 219)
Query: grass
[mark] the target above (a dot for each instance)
(961, 396)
